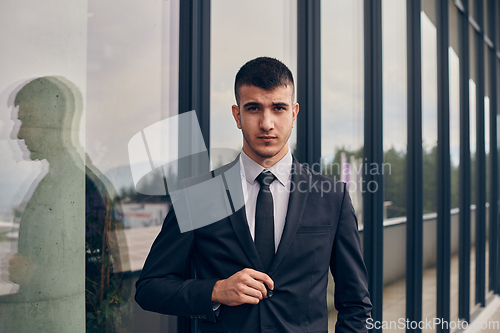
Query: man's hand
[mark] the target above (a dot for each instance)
(243, 287)
(21, 269)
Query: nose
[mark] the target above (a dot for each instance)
(267, 121)
(20, 135)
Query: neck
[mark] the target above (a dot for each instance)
(266, 162)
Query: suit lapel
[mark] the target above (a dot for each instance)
(296, 205)
(232, 179)
(240, 226)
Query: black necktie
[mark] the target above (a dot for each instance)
(264, 220)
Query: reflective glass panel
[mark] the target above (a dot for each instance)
(485, 17)
(85, 78)
(487, 132)
(454, 74)
(132, 75)
(429, 150)
(473, 145)
(42, 177)
(472, 9)
(342, 94)
(497, 24)
(342, 102)
(234, 42)
(395, 141)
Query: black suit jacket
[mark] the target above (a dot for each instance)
(320, 233)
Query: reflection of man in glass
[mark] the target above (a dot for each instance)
(50, 265)
(265, 267)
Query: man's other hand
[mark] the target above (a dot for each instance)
(244, 287)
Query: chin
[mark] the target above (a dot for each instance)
(267, 153)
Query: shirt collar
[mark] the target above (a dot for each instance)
(251, 169)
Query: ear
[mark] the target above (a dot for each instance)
(295, 112)
(236, 115)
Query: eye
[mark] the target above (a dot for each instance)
(279, 108)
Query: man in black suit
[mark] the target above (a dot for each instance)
(265, 267)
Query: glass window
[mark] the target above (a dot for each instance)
(132, 75)
(84, 79)
(395, 148)
(42, 178)
(342, 114)
(487, 151)
(429, 150)
(454, 73)
(429, 109)
(233, 43)
(342, 104)
(486, 18)
(497, 25)
(454, 102)
(472, 121)
(473, 9)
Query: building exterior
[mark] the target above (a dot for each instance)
(399, 98)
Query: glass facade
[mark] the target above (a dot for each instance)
(342, 104)
(232, 44)
(473, 157)
(487, 95)
(132, 83)
(82, 79)
(342, 95)
(429, 150)
(394, 60)
(454, 77)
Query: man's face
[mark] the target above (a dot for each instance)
(266, 119)
(31, 135)
(40, 132)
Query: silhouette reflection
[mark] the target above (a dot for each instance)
(60, 272)
(106, 256)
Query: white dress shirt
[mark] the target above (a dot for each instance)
(280, 189)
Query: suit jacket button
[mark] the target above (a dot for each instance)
(270, 293)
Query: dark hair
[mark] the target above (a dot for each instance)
(263, 72)
(51, 101)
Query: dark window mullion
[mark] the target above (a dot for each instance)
(493, 199)
(309, 82)
(414, 224)
(194, 62)
(480, 174)
(194, 90)
(464, 170)
(373, 202)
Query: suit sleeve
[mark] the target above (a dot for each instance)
(163, 285)
(352, 299)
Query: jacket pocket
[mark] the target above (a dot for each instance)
(314, 229)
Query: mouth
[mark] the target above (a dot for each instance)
(267, 138)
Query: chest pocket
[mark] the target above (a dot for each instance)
(314, 229)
